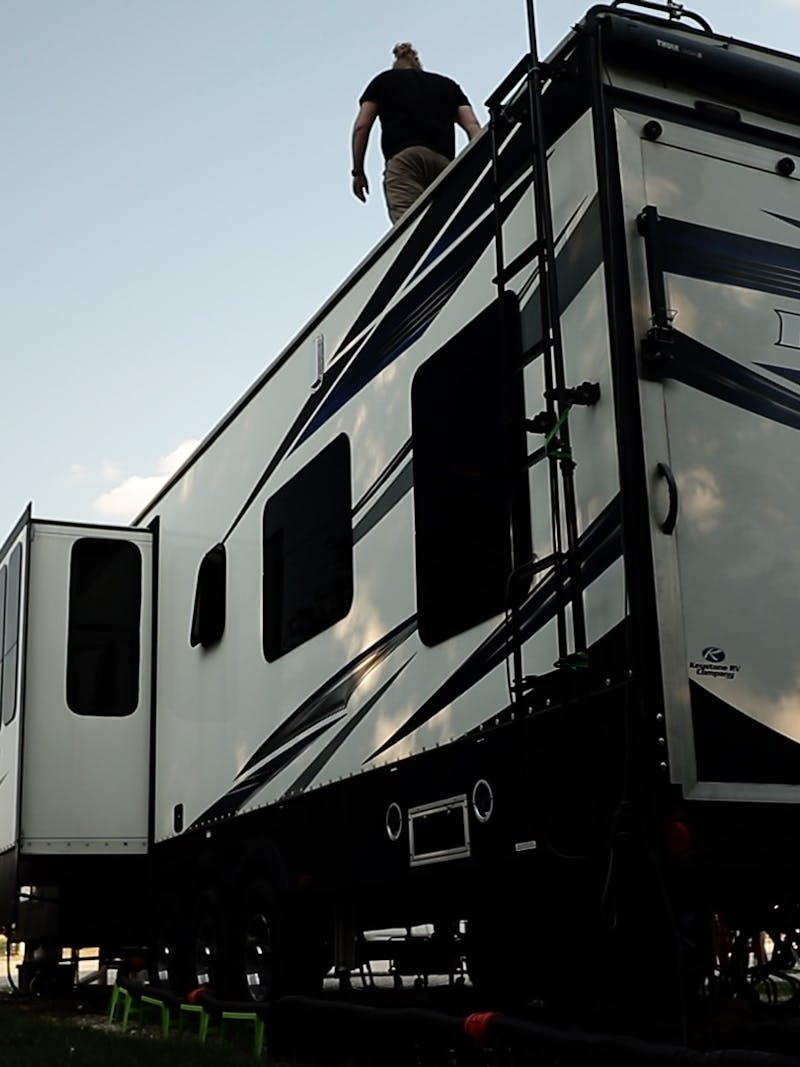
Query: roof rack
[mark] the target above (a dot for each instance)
(673, 10)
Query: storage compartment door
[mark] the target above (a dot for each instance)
(715, 270)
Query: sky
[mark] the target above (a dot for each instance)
(176, 205)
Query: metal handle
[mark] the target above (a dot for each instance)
(673, 10)
(668, 525)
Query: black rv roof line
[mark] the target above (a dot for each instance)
(303, 335)
(19, 526)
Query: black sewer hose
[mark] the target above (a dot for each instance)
(498, 1030)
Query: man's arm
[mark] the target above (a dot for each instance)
(468, 121)
(366, 116)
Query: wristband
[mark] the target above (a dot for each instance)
(357, 173)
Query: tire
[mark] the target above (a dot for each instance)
(206, 950)
(164, 954)
(273, 953)
(257, 945)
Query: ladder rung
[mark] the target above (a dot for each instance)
(522, 260)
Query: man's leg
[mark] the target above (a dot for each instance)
(407, 175)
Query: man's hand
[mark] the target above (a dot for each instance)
(361, 187)
(366, 116)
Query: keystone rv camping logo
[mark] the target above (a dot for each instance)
(713, 664)
(713, 655)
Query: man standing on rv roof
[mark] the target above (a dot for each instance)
(417, 112)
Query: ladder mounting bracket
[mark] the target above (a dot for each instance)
(584, 395)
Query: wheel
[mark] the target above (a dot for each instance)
(207, 948)
(272, 952)
(163, 957)
(256, 943)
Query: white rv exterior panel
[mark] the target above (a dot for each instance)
(11, 727)
(729, 577)
(85, 777)
(217, 706)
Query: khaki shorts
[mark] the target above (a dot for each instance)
(408, 174)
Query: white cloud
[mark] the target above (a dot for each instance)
(168, 464)
(105, 471)
(109, 471)
(121, 503)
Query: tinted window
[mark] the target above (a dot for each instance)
(208, 616)
(470, 475)
(105, 593)
(11, 635)
(308, 552)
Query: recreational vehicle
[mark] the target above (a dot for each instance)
(477, 608)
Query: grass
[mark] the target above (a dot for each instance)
(33, 1036)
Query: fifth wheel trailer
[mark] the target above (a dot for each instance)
(478, 608)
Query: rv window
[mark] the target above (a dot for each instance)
(11, 635)
(208, 616)
(308, 552)
(105, 594)
(469, 474)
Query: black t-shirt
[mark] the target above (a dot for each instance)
(415, 108)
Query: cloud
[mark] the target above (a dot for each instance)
(125, 500)
(105, 471)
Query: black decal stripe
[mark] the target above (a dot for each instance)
(577, 261)
(730, 259)
(427, 229)
(335, 743)
(398, 270)
(791, 374)
(242, 791)
(514, 159)
(284, 447)
(514, 162)
(703, 368)
(393, 495)
(599, 547)
(783, 218)
(393, 464)
(481, 199)
(452, 270)
(409, 318)
(334, 696)
(730, 746)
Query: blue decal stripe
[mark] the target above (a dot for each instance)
(729, 259)
(409, 318)
(242, 791)
(388, 472)
(599, 546)
(334, 695)
(703, 368)
(482, 197)
(791, 374)
(336, 742)
(427, 230)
